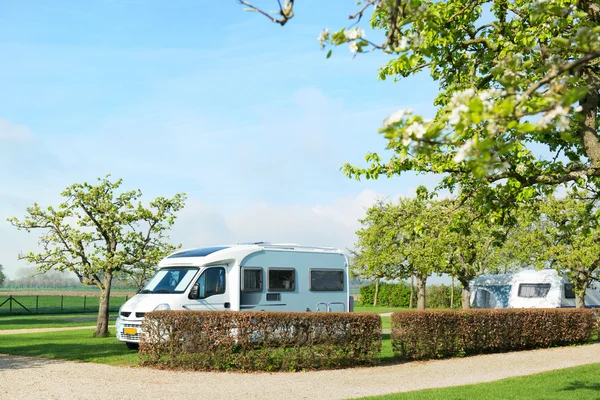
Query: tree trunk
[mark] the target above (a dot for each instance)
(102, 325)
(412, 291)
(579, 301)
(580, 296)
(421, 283)
(589, 130)
(452, 294)
(376, 292)
(466, 294)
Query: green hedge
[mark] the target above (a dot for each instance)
(268, 341)
(433, 334)
(398, 295)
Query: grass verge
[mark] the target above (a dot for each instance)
(581, 383)
(78, 345)
(378, 310)
(50, 321)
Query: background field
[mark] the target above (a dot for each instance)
(39, 302)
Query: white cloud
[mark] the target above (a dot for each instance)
(9, 131)
(331, 224)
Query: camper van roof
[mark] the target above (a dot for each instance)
(201, 252)
(205, 251)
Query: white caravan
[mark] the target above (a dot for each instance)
(259, 276)
(528, 289)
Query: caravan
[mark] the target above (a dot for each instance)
(259, 276)
(528, 289)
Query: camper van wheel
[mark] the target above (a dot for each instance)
(132, 345)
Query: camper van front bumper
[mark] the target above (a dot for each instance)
(128, 331)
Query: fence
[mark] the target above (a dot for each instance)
(41, 304)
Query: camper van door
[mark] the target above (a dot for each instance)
(211, 291)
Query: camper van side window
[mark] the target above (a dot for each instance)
(569, 293)
(252, 279)
(534, 289)
(326, 280)
(281, 279)
(212, 282)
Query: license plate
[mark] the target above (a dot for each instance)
(129, 331)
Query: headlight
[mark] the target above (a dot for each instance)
(162, 307)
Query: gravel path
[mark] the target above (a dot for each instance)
(27, 378)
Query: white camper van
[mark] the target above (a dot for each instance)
(528, 289)
(259, 276)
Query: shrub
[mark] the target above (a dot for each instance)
(390, 294)
(434, 334)
(247, 340)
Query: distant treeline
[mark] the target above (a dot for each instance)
(30, 278)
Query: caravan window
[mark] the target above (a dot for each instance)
(282, 279)
(252, 279)
(569, 293)
(326, 280)
(534, 289)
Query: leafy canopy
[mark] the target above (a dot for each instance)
(99, 230)
(518, 93)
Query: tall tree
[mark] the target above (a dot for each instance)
(2, 276)
(422, 236)
(474, 243)
(518, 93)
(402, 240)
(99, 231)
(518, 99)
(376, 255)
(569, 239)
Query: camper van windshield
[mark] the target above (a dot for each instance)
(170, 280)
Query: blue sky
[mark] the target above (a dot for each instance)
(246, 117)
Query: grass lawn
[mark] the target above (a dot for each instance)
(386, 322)
(378, 310)
(50, 321)
(78, 345)
(579, 383)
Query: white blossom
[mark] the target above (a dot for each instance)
(323, 36)
(463, 150)
(455, 114)
(353, 47)
(521, 169)
(403, 44)
(557, 111)
(406, 141)
(563, 123)
(578, 109)
(417, 39)
(417, 129)
(353, 33)
(396, 117)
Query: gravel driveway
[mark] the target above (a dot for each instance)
(27, 378)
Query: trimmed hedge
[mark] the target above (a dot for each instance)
(418, 335)
(267, 341)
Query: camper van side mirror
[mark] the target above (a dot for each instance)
(195, 292)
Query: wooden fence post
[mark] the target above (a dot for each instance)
(37, 297)
(84, 302)
(62, 297)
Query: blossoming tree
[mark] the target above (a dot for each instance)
(518, 96)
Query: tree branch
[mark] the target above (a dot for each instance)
(286, 11)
